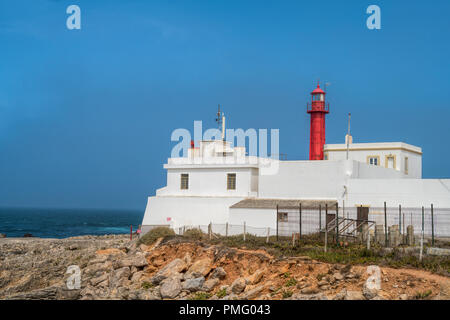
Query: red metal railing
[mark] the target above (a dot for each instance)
(310, 108)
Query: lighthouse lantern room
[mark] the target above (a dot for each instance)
(317, 109)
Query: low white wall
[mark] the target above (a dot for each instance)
(190, 211)
(258, 218)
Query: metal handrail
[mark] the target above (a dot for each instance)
(359, 222)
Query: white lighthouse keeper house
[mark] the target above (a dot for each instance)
(219, 183)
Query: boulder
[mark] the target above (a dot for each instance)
(137, 276)
(98, 268)
(219, 273)
(322, 283)
(369, 293)
(95, 281)
(253, 293)
(210, 284)
(119, 277)
(354, 295)
(338, 276)
(170, 288)
(310, 290)
(172, 268)
(238, 286)
(199, 268)
(299, 296)
(256, 277)
(137, 261)
(193, 285)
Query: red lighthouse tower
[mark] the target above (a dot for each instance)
(317, 109)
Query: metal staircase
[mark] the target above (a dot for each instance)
(346, 227)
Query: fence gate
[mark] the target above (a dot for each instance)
(362, 214)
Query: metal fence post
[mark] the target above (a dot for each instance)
(432, 225)
(404, 234)
(368, 239)
(326, 226)
(268, 234)
(277, 222)
(210, 230)
(400, 218)
(385, 226)
(404, 223)
(244, 231)
(421, 238)
(226, 229)
(337, 224)
(300, 222)
(320, 218)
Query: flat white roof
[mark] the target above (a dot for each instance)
(373, 146)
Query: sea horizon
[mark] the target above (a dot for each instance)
(67, 222)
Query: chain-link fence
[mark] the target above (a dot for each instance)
(228, 230)
(358, 223)
(435, 222)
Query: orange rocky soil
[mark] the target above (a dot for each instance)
(112, 267)
(258, 275)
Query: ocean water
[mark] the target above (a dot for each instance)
(63, 223)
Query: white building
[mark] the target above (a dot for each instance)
(217, 183)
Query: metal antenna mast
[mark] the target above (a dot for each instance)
(220, 119)
(348, 133)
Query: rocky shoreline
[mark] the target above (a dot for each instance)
(113, 267)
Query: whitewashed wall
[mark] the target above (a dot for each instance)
(209, 182)
(258, 218)
(187, 210)
(414, 159)
(304, 180)
(407, 192)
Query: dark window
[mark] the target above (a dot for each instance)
(184, 181)
(231, 181)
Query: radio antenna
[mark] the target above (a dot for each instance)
(220, 119)
(348, 133)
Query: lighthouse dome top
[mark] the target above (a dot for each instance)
(318, 90)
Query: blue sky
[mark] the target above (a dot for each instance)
(86, 115)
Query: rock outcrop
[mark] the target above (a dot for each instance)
(113, 267)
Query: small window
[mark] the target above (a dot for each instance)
(406, 165)
(231, 181)
(373, 160)
(282, 217)
(184, 181)
(390, 162)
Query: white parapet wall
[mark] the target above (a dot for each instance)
(186, 211)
